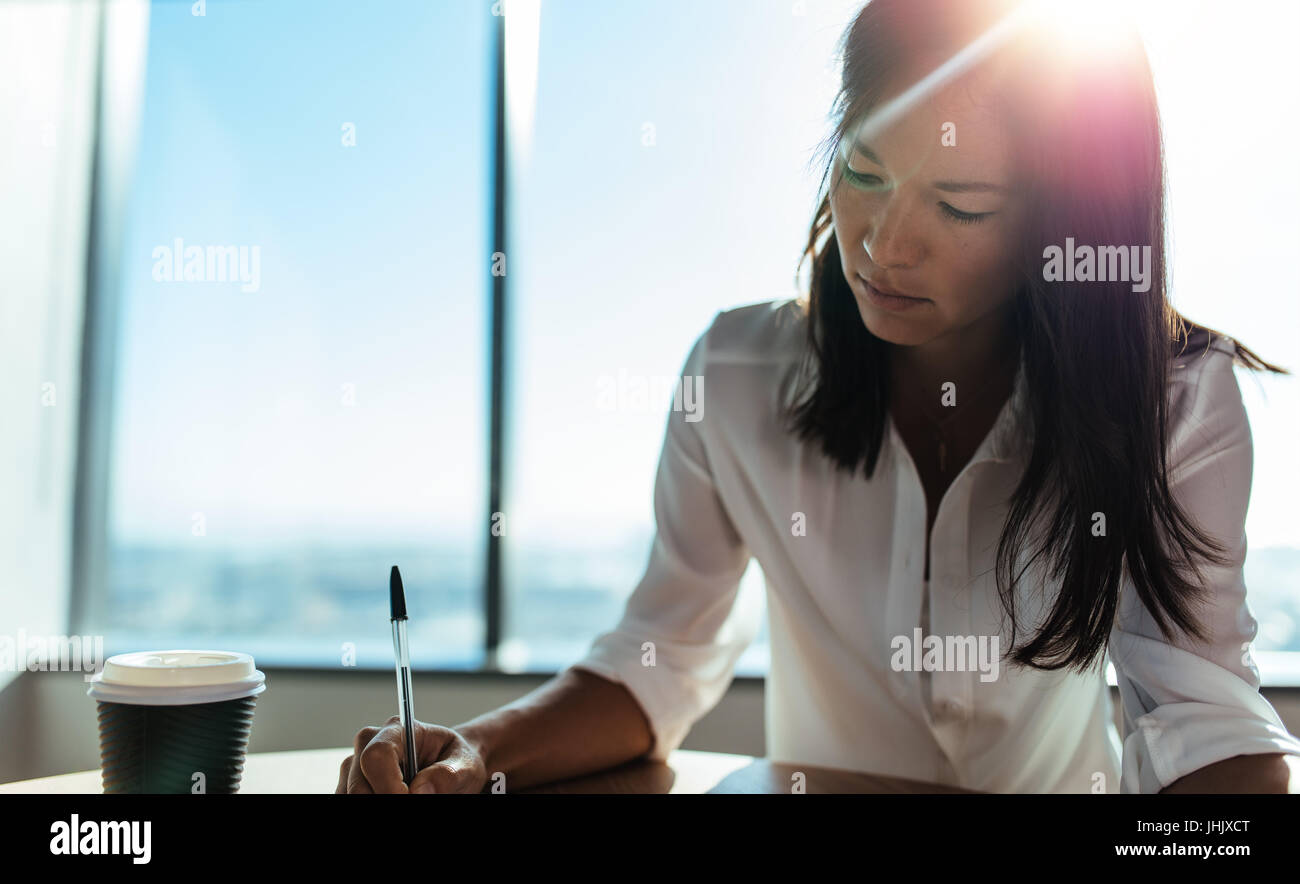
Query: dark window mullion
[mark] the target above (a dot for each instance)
(497, 379)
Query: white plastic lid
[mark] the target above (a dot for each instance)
(176, 678)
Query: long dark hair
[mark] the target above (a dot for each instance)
(1096, 356)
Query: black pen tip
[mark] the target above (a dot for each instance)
(396, 597)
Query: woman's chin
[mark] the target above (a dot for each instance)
(900, 330)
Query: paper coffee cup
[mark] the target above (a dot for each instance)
(175, 721)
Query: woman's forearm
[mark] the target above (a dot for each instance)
(574, 724)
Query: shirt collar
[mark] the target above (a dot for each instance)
(1007, 440)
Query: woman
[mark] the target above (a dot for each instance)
(981, 454)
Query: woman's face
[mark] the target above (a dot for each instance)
(925, 211)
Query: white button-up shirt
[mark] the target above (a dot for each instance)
(844, 564)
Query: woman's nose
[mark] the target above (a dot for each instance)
(890, 242)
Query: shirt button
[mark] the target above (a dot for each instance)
(954, 708)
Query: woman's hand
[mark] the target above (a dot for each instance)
(445, 760)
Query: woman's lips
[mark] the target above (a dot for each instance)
(893, 303)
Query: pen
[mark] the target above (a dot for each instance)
(397, 605)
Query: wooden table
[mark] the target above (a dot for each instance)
(687, 772)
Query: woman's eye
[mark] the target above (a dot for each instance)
(867, 181)
(963, 217)
(863, 179)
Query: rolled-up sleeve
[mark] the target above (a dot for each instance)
(677, 643)
(1187, 703)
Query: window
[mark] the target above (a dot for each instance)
(282, 439)
(668, 178)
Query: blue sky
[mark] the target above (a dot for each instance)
(230, 402)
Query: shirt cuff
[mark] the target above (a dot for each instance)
(1179, 738)
(671, 700)
(1186, 713)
